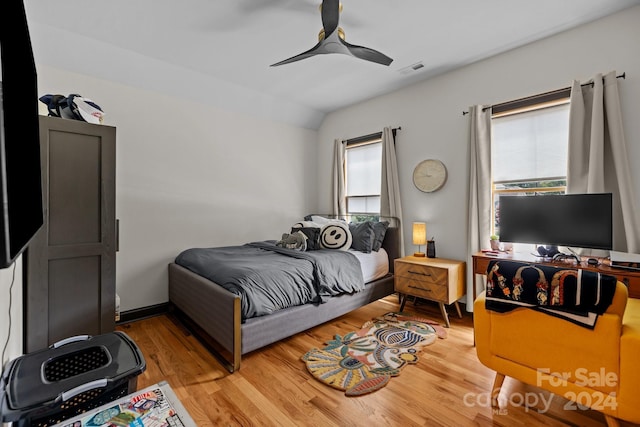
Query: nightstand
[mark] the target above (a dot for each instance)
(436, 279)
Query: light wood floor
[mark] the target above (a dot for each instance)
(447, 387)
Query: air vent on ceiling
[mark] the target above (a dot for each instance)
(411, 68)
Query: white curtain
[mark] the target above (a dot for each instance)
(338, 197)
(479, 219)
(598, 158)
(390, 205)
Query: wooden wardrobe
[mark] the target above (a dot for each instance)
(70, 268)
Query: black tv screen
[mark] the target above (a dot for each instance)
(575, 220)
(20, 170)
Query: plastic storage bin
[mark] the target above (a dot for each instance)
(69, 378)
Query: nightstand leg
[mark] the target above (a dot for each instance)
(443, 310)
(403, 300)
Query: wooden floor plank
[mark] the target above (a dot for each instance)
(274, 388)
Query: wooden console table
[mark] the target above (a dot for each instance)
(628, 277)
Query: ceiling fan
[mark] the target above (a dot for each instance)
(332, 39)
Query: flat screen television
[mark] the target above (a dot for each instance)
(574, 220)
(21, 212)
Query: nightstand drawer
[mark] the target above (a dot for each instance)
(423, 289)
(421, 273)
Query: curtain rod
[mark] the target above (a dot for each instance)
(369, 137)
(547, 96)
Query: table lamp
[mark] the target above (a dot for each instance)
(419, 236)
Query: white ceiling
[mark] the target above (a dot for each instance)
(235, 41)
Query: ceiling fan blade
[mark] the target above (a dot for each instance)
(311, 52)
(331, 42)
(330, 16)
(367, 54)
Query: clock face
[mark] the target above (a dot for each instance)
(429, 175)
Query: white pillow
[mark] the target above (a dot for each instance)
(320, 219)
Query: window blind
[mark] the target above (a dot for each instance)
(531, 145)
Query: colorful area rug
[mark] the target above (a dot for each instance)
(364, 361)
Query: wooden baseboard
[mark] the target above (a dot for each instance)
(143, 313)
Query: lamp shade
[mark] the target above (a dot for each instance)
(419, 233)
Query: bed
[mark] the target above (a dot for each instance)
(218, 316)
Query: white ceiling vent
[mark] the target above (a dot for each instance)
(411, 68)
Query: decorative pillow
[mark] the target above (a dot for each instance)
(363, 236)
(380, 230)
(335, 235)
(312, 233)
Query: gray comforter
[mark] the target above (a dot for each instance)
(270, 278)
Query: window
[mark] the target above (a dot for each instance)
(529, 151)
(363, 160)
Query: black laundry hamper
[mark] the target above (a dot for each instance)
(73, 376)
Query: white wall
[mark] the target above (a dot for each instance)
(433, 126)
(189, 174)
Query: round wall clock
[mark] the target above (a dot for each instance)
(429, 175)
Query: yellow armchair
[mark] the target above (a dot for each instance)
(598, 367)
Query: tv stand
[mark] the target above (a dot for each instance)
(629, 277)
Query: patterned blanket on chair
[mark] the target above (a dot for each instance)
(573, 294)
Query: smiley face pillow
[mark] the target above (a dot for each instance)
(335, 235)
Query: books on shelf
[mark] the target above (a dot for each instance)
(154, 406)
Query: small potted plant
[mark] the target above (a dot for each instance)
(495, 242)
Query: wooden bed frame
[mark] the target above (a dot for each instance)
(213, 314)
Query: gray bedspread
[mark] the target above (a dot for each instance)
(270, 278)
